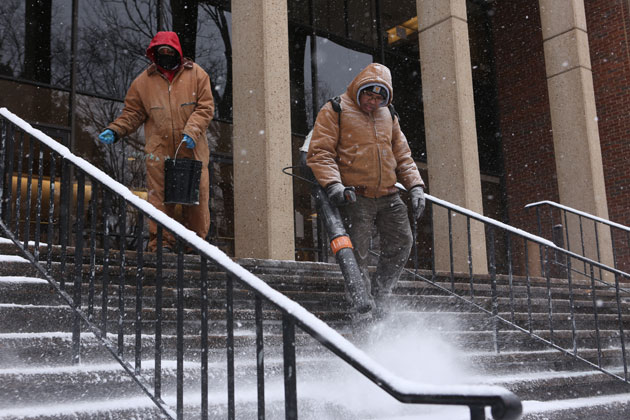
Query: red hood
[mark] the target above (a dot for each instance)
(164, 38)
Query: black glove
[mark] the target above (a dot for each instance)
(339, 194)
(417, 201)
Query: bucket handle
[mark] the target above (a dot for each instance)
(177, 151)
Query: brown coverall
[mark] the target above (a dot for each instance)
(168, 110)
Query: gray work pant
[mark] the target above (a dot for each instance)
(389, 215)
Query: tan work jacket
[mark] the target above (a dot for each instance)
(368, 152)
(169, 110)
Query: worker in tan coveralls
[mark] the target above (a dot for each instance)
(173, 99)
(362, 149)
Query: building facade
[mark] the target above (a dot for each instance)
(504, 103)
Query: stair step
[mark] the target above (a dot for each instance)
(546, 386)
(36, 346)
(609, 407)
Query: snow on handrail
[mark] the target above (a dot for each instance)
(534, 238)
(490, 221)
(579, 213)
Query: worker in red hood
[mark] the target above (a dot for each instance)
(172, 98)
(165, 51)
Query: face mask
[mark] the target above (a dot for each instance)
(167, 62)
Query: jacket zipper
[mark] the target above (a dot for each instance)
(378, 152)
(170, 110)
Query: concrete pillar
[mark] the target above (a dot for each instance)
(263, 195)
(574, 122)
(449, 115)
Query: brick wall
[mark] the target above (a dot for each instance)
(524, 117)
(608, 25)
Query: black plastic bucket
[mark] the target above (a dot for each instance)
(181, 181)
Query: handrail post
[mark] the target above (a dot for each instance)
(470, 259)
(529, 288)
(38, 218)
(510, 276)
(549, 295)
(139, 281)
(450, 248)
(121, 277)
(596, 317)
(599, 257)
(621, 329)
(9, 177)
(78, 274)
(3, 145)
(204, 336)
(105, 280)
(260, 358)
(157, 380)
(571, 306)
(432, 218)
(290, 382)
(581, 239)
(50, 233)
(477, 412)
(414, 234)
(64, 215)
(495, 298)
(180, 330)
(29, 190)
(614, 248)
(229, 307)
(18, 186)
(93, 217)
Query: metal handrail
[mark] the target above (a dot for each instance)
(619, 234)
(595, 272)
(579, 213)
(530, 237)
(505, 405)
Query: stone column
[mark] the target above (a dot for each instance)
(449, 115)
(263, 195)
(574, 122)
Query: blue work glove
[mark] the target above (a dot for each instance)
(339, 194)
(417, 201)
(107, 136)
(190, 143)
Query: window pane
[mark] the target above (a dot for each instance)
(336, 67)
(221, 187)
(60, 43)
(11, 37)
(406, 81)
(113, 37)
(328, 15)
(395, 13)
(299, 11)
(484, 88)
(37, 51)
(361, 18)
(214, 55)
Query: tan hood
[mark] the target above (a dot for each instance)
(373, 74)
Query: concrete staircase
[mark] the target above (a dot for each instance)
(426, 336)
